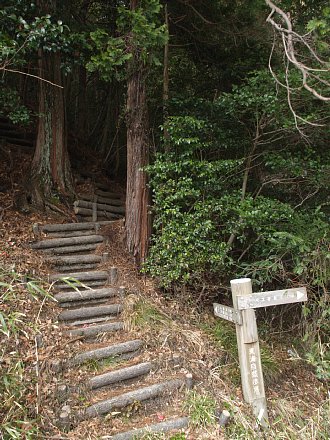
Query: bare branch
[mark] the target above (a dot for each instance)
(31, 75)
(289, 37)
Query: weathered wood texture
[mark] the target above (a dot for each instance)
(81, 276)
(59, 242)
(100, 207)
(75, 259)
(71, 249)
(105, 352)
(86, 294)
(95, 330)
(126, 399)
(88, 212)
(99, 199)
(80, 285)
(249, 353)
(162, 427)
(107, 194)
(111, 377)
(75, 267)
(73, 226)
(67, 234)
(89, 312)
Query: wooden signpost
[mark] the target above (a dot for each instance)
(243, 315)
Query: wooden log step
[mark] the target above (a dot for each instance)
(93, 275)
(74, 304)
(100, 218)
(74, 295)
(112, 377)
(67, 234)
(71, 249)
(162, 427)
(76, 267)
(103, 192)
(86, 212)
(75, 259)
(105, 352)
(80, 285)
(92, 226)
(95, 330)
(93, 320)
(140, 395)
(89, 312)
(99, 199)
(101, 207)
(59, 242)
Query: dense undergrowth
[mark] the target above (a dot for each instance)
(21, 301)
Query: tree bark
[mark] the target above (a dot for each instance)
(50, 170)
(137, 196)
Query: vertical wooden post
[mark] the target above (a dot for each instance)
(249, 354)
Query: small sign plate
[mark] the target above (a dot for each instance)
(271, 298)
(227, 313)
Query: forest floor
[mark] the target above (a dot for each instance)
(183, 337)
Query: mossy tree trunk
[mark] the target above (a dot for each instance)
(50, 171)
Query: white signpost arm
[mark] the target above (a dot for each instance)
(249, 354)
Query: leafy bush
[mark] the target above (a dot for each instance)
(219, 215)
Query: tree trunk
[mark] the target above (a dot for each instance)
(137, 197)
(50, 170)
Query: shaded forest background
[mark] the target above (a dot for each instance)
(198, 108)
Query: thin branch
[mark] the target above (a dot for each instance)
(31, 75)
(289, 37)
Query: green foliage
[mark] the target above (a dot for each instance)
(316, 338)
(16, 382)
(137, 32)
(199, 200)
(201, 409)
(22, 32)
(12, 107)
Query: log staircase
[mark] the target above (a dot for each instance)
(91, 303)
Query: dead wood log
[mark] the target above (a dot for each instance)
(67, 227)
(71, 249)
(75, 259)
(87, 212)
(101, 207)
(100, 218)
(107, 194)
(166, 426)
(81, 276)
(59, 242)
(86, 294)
(105, 352)
(79, 285)
(85, 266)
(71, 227)
(89, 312)
(96, 329)
(99, 199)
(126, 399)
(66, 234)
(96, 319)
(75, 304)
(111, 377)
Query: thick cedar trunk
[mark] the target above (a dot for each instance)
(137, 197)
(50, 171)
